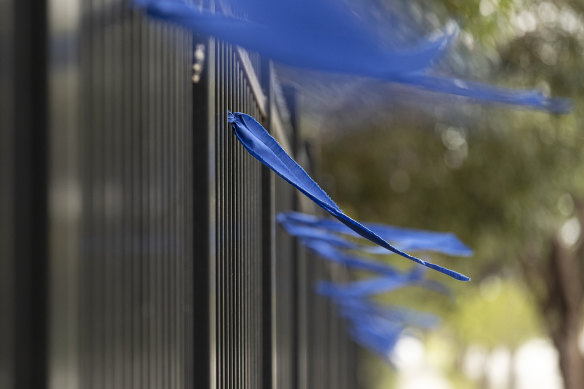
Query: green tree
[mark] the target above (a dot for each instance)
(507, 181)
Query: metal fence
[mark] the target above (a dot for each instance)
(139, 245)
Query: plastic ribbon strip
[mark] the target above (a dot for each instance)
(262, 146)
(315, 235)
(329, 246)
(315, 34)
(402, 238)
(321, 35)
(350, 308)
(372, 325)
(370, 286)
(378, 327)
(486, 93)
(327, 251)
(379, 339)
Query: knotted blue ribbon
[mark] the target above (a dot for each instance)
(262, 146)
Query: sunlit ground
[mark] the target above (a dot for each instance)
(534, 366)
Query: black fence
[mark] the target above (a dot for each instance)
(139, 245)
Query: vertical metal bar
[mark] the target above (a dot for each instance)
(88, 244)
(64, 194)
(207, 192)
(189, 220)
(150, 203)
(232, 225)
(165, 188)
(268, 252)
(30, 193)
(229, 223)
(247, 257)
(117, 209)
(220, 271)
(142, 287)
(180, 180)
(171, 201)
(158, 203)
(125, 50)
(237, 226)
(106, 222)
(136, 199)
(7, 200)
(175, 202)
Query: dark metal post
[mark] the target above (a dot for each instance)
(291, 101)
(204, 323)
(29, 208)
(268, 249)
(7, 171)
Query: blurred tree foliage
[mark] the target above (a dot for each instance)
(484, 307)
(509, 182)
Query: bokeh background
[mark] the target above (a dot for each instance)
(507, 181)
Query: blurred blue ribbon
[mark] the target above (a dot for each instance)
(315, 34)
(322, 35)
(402, 238)
(369, 286)
(378, 327)
(362, 308)
(381, 339)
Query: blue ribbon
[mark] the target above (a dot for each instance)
(403, 238)
(321, 35)
(262, 146)
(314, 235)
(361, 308)
(369, 286)
(378, 327)
(315, 34)
(379, 339)
(327, 251)
(332, 247)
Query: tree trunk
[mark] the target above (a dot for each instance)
(563, 312)
(555, 281)
(571, 361)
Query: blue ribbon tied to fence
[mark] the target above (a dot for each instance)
(378, 327)
(373, 326)
(262, 146)
(315, 34)
(405, 239)
(370, 286)
(360, 307)
(336, 248)
(325, 36)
